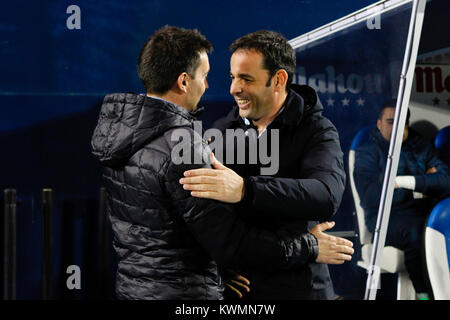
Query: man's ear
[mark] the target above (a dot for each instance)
(379, 124)
(280, 80)
(183, 82)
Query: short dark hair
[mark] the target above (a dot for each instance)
(276, 50)
(392, 104)
(169, 52)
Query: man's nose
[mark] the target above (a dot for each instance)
(235, 88)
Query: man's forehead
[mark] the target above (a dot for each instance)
(389, 113)
(247, 59)
(204, 60)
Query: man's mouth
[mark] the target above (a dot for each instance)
(242, 103)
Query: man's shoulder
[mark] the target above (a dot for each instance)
(417, 142)
(183, 138)
(315, 128)
(187, 149)
(317, 122)
(370, 145)
(165, 142)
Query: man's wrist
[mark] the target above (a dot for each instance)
(314, 247)
(247, 192)
(242, 190)
(406, 182)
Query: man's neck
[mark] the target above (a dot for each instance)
(262, 123)
(169, 96)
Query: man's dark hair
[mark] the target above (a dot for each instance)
(277, 52)
(392, 104)
(169, 52)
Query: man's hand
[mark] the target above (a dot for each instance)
(431, 170)
(221, 183)
(332, 250)
(237, 283)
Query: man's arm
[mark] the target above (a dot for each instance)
(435, 182)
(316, 196)
(235, 244)
(368, 177)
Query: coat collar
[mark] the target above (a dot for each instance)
(301, 101)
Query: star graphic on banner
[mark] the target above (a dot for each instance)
(345, 102)
(436, 101)
(360, 101)
(330, 102)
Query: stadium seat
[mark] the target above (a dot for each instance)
(437, 249)
(442, 144)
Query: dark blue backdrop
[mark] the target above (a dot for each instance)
(52, 83)
(43, 61)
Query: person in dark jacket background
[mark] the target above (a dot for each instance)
(310, 181)
(168, 243)
(421, 179)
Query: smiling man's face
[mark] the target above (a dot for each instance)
(249, 84)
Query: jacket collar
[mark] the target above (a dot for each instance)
(195, 114)
(292, 110)
(128, 121)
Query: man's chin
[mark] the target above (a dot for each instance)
(244, 113)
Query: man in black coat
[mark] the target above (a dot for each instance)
(168, 243)
(306, 180)
(422, 180)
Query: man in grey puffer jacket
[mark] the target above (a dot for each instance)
(168, 243)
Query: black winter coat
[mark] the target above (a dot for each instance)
(168, 243)
(308, 187)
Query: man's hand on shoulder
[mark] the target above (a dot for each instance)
(221, 183)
